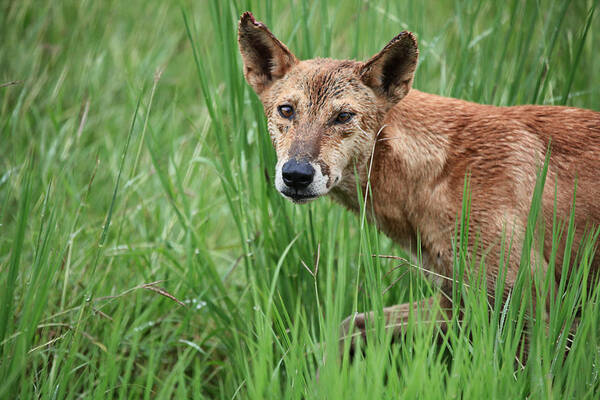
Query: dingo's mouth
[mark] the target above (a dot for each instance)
(298, 197)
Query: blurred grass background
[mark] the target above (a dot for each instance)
(144, 251)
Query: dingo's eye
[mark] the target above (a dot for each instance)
(286, 111)
(343, 117)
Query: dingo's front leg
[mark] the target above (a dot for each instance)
(436, 309)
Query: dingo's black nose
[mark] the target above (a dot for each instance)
(297, 174)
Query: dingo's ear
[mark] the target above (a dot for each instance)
(265, 58)
(390, 72)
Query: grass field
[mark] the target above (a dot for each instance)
(145, 253)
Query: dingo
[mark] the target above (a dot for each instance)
(329, 118)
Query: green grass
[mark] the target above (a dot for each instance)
(145, 253)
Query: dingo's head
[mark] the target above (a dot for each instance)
(323, 115)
